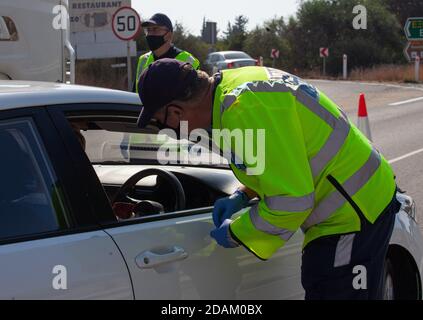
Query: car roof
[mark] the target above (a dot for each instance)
(226, 52)
(20, 94)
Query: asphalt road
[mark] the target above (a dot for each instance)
(397, 130)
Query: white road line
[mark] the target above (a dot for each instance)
(405, 156)
(405, 101)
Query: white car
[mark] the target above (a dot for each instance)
(221, 60)
(60, 237)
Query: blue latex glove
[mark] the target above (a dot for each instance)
(222, 235)
(224, 208)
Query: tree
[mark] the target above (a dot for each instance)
(271, 35)
(190, 43)
(236, 34)
(328, 23)
(404, 9)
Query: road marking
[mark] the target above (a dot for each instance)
(405, 102)
(405, 156)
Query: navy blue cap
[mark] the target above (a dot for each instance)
(162, 82)
(159, 19)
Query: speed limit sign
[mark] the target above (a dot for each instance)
(126, 23)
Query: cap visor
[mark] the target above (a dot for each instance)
(144, 118)
(148, 22)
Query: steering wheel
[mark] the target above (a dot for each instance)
(169, 177)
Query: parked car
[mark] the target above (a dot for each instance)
(64, 181)
(217, 61)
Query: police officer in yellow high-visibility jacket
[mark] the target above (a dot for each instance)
(159, 34)
(320, 173)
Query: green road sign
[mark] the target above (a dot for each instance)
(414, 28)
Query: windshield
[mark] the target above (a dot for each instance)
(116, 143)
(236, 55)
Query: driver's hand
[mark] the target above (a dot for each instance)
(123, 210)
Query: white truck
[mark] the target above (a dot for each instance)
(34, 41)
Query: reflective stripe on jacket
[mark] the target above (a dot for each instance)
(320, 172)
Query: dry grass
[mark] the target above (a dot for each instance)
(386, 73)
(99, 73)
(312, 74)
(382, 73)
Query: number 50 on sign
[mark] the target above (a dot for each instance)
(126, 23)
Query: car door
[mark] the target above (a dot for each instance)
(171, 256)
(50, 245)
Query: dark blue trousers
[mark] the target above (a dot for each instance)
(350, 266)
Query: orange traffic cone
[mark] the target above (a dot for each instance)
(363, 120)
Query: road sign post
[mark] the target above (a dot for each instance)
(324, 67)
(324, 53)
(345, 66)
(417, 68)
(126, 26)
(274, 54)
(129, 65)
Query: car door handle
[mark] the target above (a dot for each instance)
(148, 259)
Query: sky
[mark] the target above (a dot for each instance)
(191, 12)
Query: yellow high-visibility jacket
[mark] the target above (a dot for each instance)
(320, 172)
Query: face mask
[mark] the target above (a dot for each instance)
(155, 42)
(160, 126)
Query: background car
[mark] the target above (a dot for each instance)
(220, 60)
(62, 195)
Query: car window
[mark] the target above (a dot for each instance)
(237, 55)
(108, 141)
(30, 201)
(8, 31)
(215, 58)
